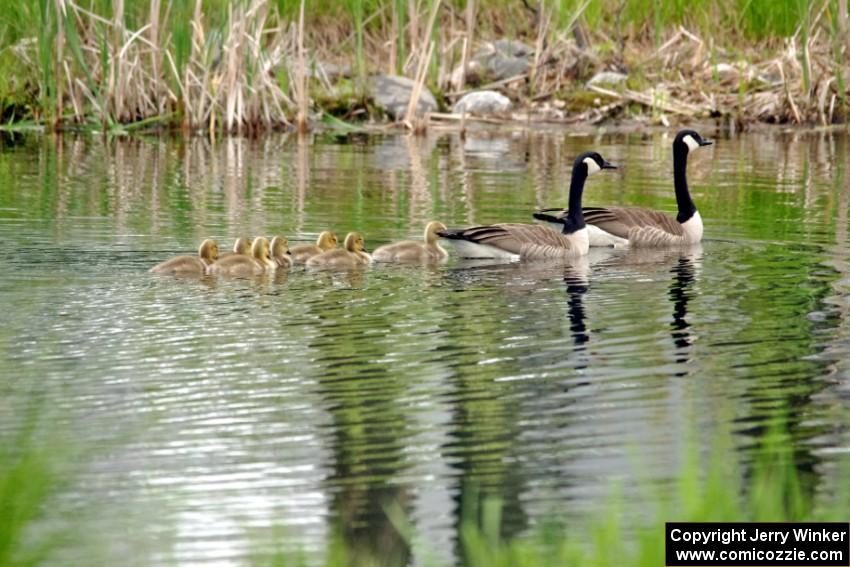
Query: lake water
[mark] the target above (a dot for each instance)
(215, 419)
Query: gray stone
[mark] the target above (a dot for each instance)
(392, 93)
(513, 48)
(483, 103)
(607, 78)
(503, 59)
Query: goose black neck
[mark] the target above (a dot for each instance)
(575, 218)
(680, 182)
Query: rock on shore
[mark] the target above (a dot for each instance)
(482, 103)
(392, 93)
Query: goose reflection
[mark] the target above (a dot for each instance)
(576, 280)
(681, 291)
(683, 264)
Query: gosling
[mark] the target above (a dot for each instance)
(410, 251)
(258, 263)
(353, 256)
(280, 252)
(303, 252)
(190, 265)
(241, 246)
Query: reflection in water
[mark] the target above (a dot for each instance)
(681, 291)
(311, 401)
(575, 276)
(363, 482)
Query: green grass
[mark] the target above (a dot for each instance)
(741, 19)
(707, 488)
(33, 87)
(726, 483)
(32, 471)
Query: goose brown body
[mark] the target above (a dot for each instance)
(523, 241)
(645, 227)
(532, 242)
(641, 227)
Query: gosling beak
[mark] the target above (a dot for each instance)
(705, 142)
(289, 252)
(608, 165)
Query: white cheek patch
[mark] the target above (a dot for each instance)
(592, 166)
(692, 144)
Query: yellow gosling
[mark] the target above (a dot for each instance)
(280, 252)
(353, 256)
(303, 252)
(241, 246)
(259, 262)
(410, 251)
(190, 265)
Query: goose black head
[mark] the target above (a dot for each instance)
(593, 162)
(690, 140)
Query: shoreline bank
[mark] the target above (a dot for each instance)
(362, 64)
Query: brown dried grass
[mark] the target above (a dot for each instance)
(252, 72)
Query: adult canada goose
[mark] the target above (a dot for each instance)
(259, 262)
(353, 256)
(303, 252)
(241, 246)
(529, 241)
(619, 226)
(410, 251)
(190, 265)
(280, 252)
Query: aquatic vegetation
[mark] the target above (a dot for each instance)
(708, 488)
(34, 467)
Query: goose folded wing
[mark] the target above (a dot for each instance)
(620, 221)
(653, 237)
(526, 240)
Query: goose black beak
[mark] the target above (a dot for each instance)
(607, 165)
(705, 142)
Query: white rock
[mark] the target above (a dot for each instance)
(483, 103)
(607, 78)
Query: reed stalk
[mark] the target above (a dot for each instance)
(840, 46)
(400, 15)
(302, 95)
(359, 53)
(805, 61)
(544, 17)
(222, 66)
(468, 39)
(425, 52)
(412, 32)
